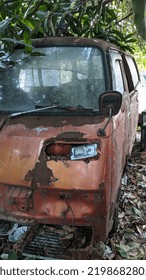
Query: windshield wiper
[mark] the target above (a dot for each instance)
(41, 108)
(14, 115)
(68, 108)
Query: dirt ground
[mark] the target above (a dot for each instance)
(130, 240)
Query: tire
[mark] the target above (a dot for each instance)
(115, 220)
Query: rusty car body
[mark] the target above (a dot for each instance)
(68, 118)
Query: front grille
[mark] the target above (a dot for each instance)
(47, 244)
(53, 242)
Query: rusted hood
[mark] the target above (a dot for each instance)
(23, 160)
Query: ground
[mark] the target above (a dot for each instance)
(130, 240)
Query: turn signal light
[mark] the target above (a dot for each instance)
(58, 150)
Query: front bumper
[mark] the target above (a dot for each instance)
(58, 207)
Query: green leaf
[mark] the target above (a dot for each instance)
(27, 41)
(130, 35)
(137, 211)
(75, 29)
(134, 40)
(4, 24)
(28, 23)
(14, 41)
(118, 33)
(85, 19)
(12, 255)
(121, 250)
(130, 49)
(41, 14)
(2, 53)
(111, 13)
(85, 29)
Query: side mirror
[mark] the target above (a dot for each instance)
(109, 105)
(110, 101)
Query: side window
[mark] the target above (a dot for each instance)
(119, 84)
(117, 75)
(133, 70)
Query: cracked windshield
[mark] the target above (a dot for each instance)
(60, 76)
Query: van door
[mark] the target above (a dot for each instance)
(119, 83)
(133, 80)
(121, 124)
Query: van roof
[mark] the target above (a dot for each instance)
(73, 41)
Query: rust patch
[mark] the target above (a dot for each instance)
(69, 136)
(32, 122)
(41, 175)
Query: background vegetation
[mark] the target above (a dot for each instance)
(122, 22)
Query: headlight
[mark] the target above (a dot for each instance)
(84, 151)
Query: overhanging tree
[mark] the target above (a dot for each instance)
(139, 9)
(107, 19)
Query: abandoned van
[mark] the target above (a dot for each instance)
(68, 118)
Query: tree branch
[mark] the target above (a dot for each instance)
(36, 8)
(127, 16)
(118, 21)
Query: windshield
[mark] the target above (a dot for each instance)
(61, 76)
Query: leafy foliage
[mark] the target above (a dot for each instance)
(24, 20)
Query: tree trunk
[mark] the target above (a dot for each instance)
(139, 8)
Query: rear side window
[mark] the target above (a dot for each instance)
(133, 70)
(117, 75)
(119, 84)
